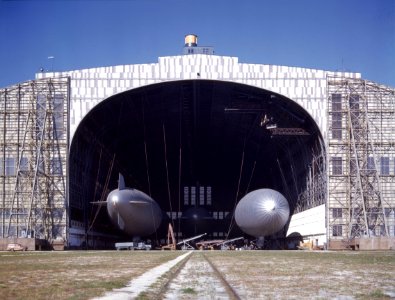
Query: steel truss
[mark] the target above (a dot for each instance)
(315, 186)
(33, 153)
(361, 154)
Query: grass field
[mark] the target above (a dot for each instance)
(254, 274)
(72, 274)
(309, 275)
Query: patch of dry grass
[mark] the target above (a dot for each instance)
(253, 274)
(72, 274)
(310, 275)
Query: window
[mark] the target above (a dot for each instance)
(58, 123)
(41, 106)
(385, 166)
(354, 111)
(353, 167)
(24, 166)
(10, 166)
(336, 116)
(201, 195)
(337, 168)
(56, 166)
(371, 166)
(186, 195)
(354, 102)
(58, 103)
(389, 212)
(355, 230)
(41, 103)
(380, 230)
(58, 118)
(336, 102)
(337, 212)
(337, 230)
(208, 199)
(193, 195)
(337, 126)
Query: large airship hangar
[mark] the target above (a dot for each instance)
(197, 132)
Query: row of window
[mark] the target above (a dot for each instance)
(8, 167)
(336, 117)
(192, 194)
(337, 102)
(337, 121)
(337, 230)
(217, 215)
(199, 50)
(384, 168)
(337, 212)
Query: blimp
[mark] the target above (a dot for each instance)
(262, 212)
(132, 211)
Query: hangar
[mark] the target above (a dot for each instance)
(197, 132)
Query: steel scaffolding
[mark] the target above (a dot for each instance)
(33, 159)
(361, 153)
(314, 192)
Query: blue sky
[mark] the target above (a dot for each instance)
(353, 35)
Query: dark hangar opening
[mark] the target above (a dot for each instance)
(196, 147)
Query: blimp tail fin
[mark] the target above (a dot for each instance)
(100, 203)
(138, 202)
(121, 182)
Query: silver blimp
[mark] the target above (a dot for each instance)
(133, 211)
(262, 212)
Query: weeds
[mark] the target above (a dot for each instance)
(188, 290)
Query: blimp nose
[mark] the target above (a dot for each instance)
(270, 205)
(114, 199)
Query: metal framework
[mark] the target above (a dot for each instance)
(361, 154)
(33, 159)
(315, 187)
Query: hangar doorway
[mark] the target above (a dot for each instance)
(196, 147)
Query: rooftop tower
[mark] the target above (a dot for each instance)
(191, 46)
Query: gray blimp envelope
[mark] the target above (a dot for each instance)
(133, 211)
(262, 212)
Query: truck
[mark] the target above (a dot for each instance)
(16, 247)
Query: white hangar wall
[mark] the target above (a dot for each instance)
(307, 87)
